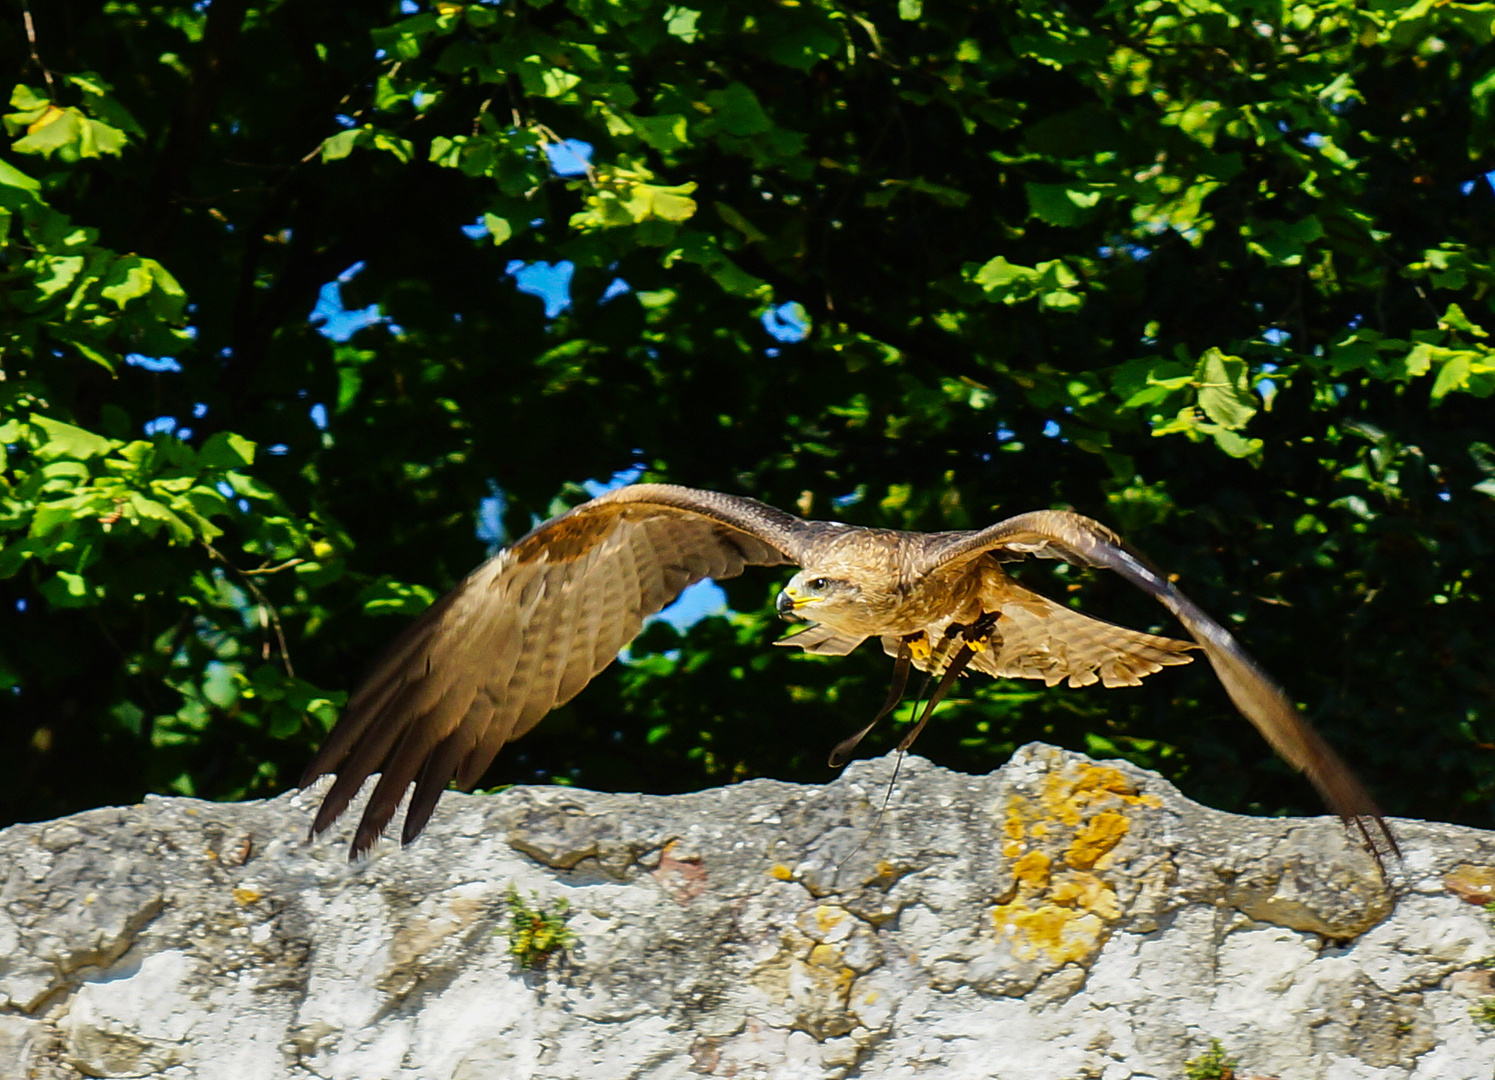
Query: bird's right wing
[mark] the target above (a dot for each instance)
(1040, 639)
(524, 633)
(1060, 534)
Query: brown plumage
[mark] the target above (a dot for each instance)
(527, 630)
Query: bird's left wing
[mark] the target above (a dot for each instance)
(1059, 534)
(524, 633)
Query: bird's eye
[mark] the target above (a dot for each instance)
(819, 583)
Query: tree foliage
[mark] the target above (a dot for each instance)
(1218, 273)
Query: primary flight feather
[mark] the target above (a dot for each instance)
(527, 630)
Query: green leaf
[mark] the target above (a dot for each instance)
(248, 486)
(663, 133)
(736, 111)
(1051, 282)
(1283, 243)
(479, 17)
(151, 510)
(101, 138)
(703, 250)
(56, 273)
(1455, 319)
(552, 82)
(65, 440)
(10, 176)
(100, 101)
(206, 502)
(128, 278)
(48, 130)
(666, 203)
(390, 597)
(29, 101)
(750, 232)
(67, 590)
(1060, 300)
(1233, 444)
(1453, 374)
(1418, 362)
(498, 228)
(106, 360)
(1061, 204)
(622, 197)
(54, 515)
(1150, 380)
(403, 149)
(225, 450)
(939, 192)
(339, 145)
(219, 685)
(69, 134)
(1225, 390)
(680, 22)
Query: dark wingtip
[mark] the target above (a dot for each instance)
(363, 841)
(1376, 838)
(333, 804)
(417, 815)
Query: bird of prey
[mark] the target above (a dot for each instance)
(527, 630)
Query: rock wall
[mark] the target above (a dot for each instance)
(1062, 918)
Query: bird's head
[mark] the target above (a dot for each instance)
(814, 595)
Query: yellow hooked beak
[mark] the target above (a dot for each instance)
(789, 601)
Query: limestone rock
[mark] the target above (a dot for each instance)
(1061, 918)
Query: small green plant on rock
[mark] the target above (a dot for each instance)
(536, 934)
(1213, 1064)
(1483, 1010)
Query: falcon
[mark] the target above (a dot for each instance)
(528, 629)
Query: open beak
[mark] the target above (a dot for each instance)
(786, 604)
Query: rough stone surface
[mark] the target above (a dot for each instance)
(1062, 918)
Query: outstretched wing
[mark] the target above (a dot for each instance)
(1058, 534)
(524, 633)
(1044, 640)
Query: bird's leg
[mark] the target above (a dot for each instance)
(1373, 841)
(970, 639)
(957, 664)
(979, 634)
(934, 658)
(844, 748)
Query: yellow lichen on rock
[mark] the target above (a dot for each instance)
(1061, 909)
(1473, 883)
(1098, 836)
(1059, 935)
(828, 970)
(827, 918)
(1032, 869)
(1087, 893)
(1014, 827)
(1067, 794)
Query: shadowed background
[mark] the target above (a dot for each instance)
(309, 306)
